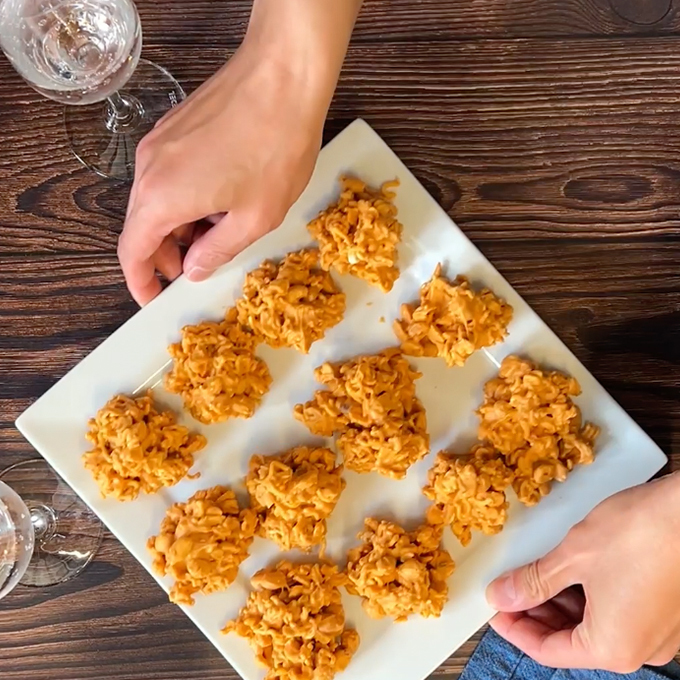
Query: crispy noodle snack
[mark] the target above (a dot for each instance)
(293, 494)
(399, 573)
(292, 303)
(295, 622)
(138, 449)
(451, 320)
(359, 234)
(216, 371)
(469, 492)
(529, 416)
(371, 405)
(202, 543)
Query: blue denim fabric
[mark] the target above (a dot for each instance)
(496, 659)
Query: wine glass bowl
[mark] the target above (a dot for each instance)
(16, 539)
(65, 534)
(76, 52)
(86, 54)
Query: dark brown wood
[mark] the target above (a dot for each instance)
(224, 23)
(560, 158)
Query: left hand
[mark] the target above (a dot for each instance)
(608, 597)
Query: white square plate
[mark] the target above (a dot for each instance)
(135, 357)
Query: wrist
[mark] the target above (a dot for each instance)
(305, 41)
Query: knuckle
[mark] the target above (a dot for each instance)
(122, 249)
(262, 227)
(535, 586)
(579, 528)
(662, 658)
(623, 662)
(577, 542)
(269, 216)
(580, 535)
(623, 666)
(148, 186)
(213, 258)
(146, 150)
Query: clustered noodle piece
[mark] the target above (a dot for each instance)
(371, 405)
(138, 449)
(291, 303)
(399, 573)
(295, 622)
(216, 371)
(202, 543)
(469, 492)
(293, 494)
(451, 321)
(529, 416)
(359, 233)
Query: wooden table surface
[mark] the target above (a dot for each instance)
(548, 129)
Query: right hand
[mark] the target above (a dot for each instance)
(625, 556)
(239, 151)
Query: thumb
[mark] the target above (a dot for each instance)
(533, 584)
(220, 244)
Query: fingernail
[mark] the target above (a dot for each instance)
(197, 274)
(502, 592)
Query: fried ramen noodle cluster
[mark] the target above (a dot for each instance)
(291, 303)
(359, 234)
(528, 415)
(138, 449)
(371, 405)
(295, 622)
(216, 371)
(293, 494)
(451, 321)
(469, 492)
(399, 573)
(202, 543)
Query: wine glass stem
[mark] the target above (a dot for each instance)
(123, 112)
(43, 519)
(119, 107)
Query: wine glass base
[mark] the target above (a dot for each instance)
(67, 533)
(108, 146)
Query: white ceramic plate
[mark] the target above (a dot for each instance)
(135, 357)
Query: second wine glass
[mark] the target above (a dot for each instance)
(86, 54)
(47, 534)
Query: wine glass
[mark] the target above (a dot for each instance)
(16, 539)
(47, 534)
(86, 54)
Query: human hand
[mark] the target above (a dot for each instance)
(608, 597)
(224, 167)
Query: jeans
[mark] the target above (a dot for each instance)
(496, 659)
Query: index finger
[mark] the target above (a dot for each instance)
(142, 236)
(540, 641)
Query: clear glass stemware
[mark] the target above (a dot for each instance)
(16, 539)
(86, 54)
(47, 534)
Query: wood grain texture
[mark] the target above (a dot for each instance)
(514, 138)
(224, 23)
(560, 158)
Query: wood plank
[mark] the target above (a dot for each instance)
(530, 138)
(224, 23)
